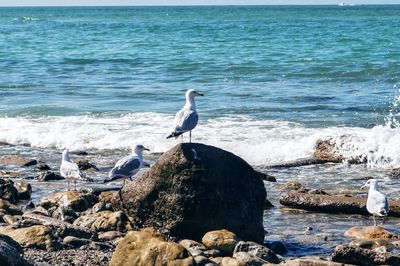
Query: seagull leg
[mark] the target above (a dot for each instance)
(68, 184)
(75, 184)
(190, 136)
(373, 216)
(182, 138)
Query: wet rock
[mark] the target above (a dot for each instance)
(80, 153)
(148, 247)
(104, 221)
(10, 219)
(312, 261)
(110, 235)
(8, 191)
(101, 206)
(291, 185)
(41, 166)
(37, 236)
(268, 205)
(257, 250)
(64, 213)
(85, 165)
(212, 253)
(203, 261)
(10, 252)
(248, 259)
(75, 241)
(372, 244)
(9, 208)
(24, 190)
(195, 188)
(8, 174)
(361, 256)
(17, 160)
(75, 200)
(195, 248)
(326, 150)
(108, 196)
(222, 240)
(395, 173)
(369, 232)
(332, 204)
(48, 176)
(277, 247)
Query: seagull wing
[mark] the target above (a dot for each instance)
(377, 203)
(187, 120)
(125, 167)
(69, 169)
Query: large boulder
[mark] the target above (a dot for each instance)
(361, 256)
(10, 252)
(195, 188)
(221, 240)
(369, 232)
(148, 247)
(37, 236)
(77, 201)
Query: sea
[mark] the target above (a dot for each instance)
(276, 80)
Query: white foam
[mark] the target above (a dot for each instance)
(257, 141)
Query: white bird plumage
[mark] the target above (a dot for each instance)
(70, 170)
(186, 119)
(128, 166)
(377, 203)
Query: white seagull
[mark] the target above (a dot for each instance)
(127, 166)
(70, 170)
(186, 119)
(377, 203)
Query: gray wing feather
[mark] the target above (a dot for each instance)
(377, 204)
(188, 121)
(125, 167)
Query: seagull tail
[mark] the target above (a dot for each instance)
(174, 135)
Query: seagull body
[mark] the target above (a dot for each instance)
(377, 203)
(70, 170)
(186, 119)
(127, 166)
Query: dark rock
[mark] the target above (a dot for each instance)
(277, 247)
(257, 250)
(326, 150)
(268, 204)
(8, 191)
(80, 153)
(266, 177)
(10, 252)
(195, 188)
(30, 162)
(10, 208)
(42, 166)
(75, 241)
(212, 253)
(24, 190)
(85, 165)
(17, 160)
(298, 163)
(47, 176)
(332, 204)
(361, 256)
(203, 261)
(395, 173)
(8, 174)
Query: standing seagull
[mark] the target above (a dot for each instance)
(127, 166)
(186, 119)
(70, 170)
(377, 203)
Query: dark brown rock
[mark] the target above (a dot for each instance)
(85, 165)
(195, 188)
(10, 252)
(257, 250)
(47, 176)
(42, 166)
(332, 204)
(360, 256)
(24, 190)
(8, 191)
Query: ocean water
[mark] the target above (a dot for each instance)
(276, 78)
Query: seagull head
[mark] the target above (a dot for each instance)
(190, 94)
(138, 149)
(369, 183)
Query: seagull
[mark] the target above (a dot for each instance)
(70, 170)
(127, 166)
(377, 203)
(186, 119)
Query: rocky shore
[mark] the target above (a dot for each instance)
(196, 205)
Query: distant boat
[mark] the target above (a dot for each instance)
(345, 4)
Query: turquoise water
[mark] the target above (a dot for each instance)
(301, 70)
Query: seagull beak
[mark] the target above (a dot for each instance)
(146, 149)
(362, 187)
(200, 94)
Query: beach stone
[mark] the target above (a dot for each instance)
(312, 261)
(104, 221)
(369, 232)
(10, 219)
(326, 150)
(228, 261)
(48, 176)
(37, 236)
(41, 166)
(10, 252)
(148, 247)
(268, 204)
(257, 250)
(203, 261)
(73, 199)
(8, 174)
(195, 188)
(248, 259)
(17, 160)
(292, 185)
(8, 191)
(110, 235)
(9, 208)
(101, 206)
(222, 240)
(64, 213)
(195, 248)
(108, 196)
(24, 190)
(75, 241)
(361, 256)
